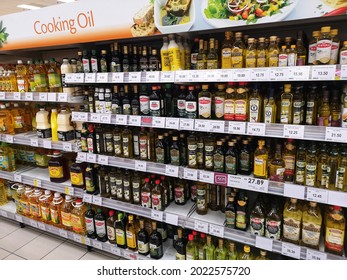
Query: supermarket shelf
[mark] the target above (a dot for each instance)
(302, 132)
(236, 181)
(60, 97)
(297, 73)
(31, 139)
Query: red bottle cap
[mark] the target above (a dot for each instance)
(190, 237)
(147, 180)
(111, 213)
(157, 182)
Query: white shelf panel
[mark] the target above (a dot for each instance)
(59, 97)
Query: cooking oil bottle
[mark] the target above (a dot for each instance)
(287, 105)
(261, 161)
(174, 54)
(45, 201)
(164, 53)
(54, 77)
(22, 78)
(273, 52)
(65, 213)
(311, 226)
(54, 124)
(6, 121)
(25, 201)
(35, 211)
(55, 209)
(251, 54)
(43, 127)
(19, 119)
(237, 51)
(292, 216)
(40, 77)
(3, 193)
(335, 228)
(77, 217)
(65, 130)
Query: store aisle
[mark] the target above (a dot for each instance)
(31, 244)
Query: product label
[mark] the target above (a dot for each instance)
(219, 106)
(261, 58)
(341, 178)
(334, 52)
(300, 172)
(157, 202)
(18, 122)
(44, 133)
(143, 248)
(283, 60)
(191, 108)
(89, 225)
(229, 109)
(268, 114)
(179, 195)
(154, 106)
(111, 233)
(312, 53)
(273, 58)
(297, 110)
(230, 165)
(21, 85)
(119, 189)
(120, 237)
(251, 59)
(175, 156)
(273, 229)
(126, 189)
(309, 112)
(289, 161)
(76, 223)
(144, 104)
(237, 57)
(143, 149)
(285, 107)
(56, 172)
(260, 166)
(205, 107)
(76, 178)
(218, 162)
(165, 60)
(54, 81)
(201, 199)
(131, 239)
(226, 58)
(323, 50)
(55, 217)
(146, 199)
(66, 219)
(257, 226)
(230, 219)
(175, 58)
(240, 110)
(241, 220)
(343, 57)
(156, 251)
(310, 174)
(180, 257)
(181, 107)
(254, 110)
(244, 161)
(291, 229)
(100, 227)
(136, 192)
(86, 66)
(126, 152)
(40, 82)
(35, 210)
(310, 234)
(334, 239)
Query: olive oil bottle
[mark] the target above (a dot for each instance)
(311, 226)
(335, 228)
(226, 51)
(300, 164)
(273, 52)
(205, 103)
(287, 105)
(237, 51)
(262, 53)
(311, 167)
(261, 161)
(292, 216)
(218, 157)
(251, 54)
(192, 151)
(231, 159)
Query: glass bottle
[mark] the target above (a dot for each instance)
(121, 231)
(301, 50)
(260, 161)
(180, 245)
(237, 51)
(311, 167)
(232, 253)
(257, 219)
(312, 48)
(273, 223)
(221, 252)
(131, 234)
(324, 108)
(335, 228)
(191, 109)
(270, 108)
(180, 196)
(246, 254)
(103, 61)
(158, 197)
(201, 62)
(341, 183)
(146, 194)
(192, 150)
(127, 141)
(292, 216)
(231, 159)
(324, 45)
(322, 166)
(209, 249)
(230, 213)
(205, 103)
(288, 156)
(154, 61)
(155, 243)
(241, 222)
(300, 164)
(283, 57)
(226, 51)
(273, 52)
(251, 54)
(332, 168)
(100, 226)
(212, 58)
(255, 105)
(143, 61)
(241, 103)
(209, 146)
(143, 239)
(201, 199)
(262, 53)
(174, 151)
(262, 256)
(311, 226)
(277, 166)
(219, 100)
(182, 144)
(110, 225)
(218, 157)
(287, 105)
(229, 102)
(343, 54)
(155, 103)
(244, 164)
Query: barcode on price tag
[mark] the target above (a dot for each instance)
(256, 129)
(202, 125)
(103, 160)
(43, 96)
(242, 75)
(171, 170)
(167, 76)
(90, 78)
(299, 73)
(190, 174)
(87, 198)
(324, 73)
(293, 131)
(157, 215)
(318, 195)
(234, 181)
(172, 123)
(122, 119)
(140, 165)
(237, 127)
(171, 219)
(201, 226)
(97, 200)
(29, 96)
(17, 95)
(216, 231)
(78, 77)
(134, 77)
(91, 158)
(291, 250)
(105, 118)
(259, 74)
(206, 176)
(102, 77)
(152, 77)
(158, 122)
(259, 185)
(336, 134)
(34, 142)
(135, 120)
(278, 73)
(264, 243)
(217, 126)
(315, 255)
(187, 124)
(67, 147)
(117, 77)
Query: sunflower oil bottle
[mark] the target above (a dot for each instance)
(35, 211)
(40, 77)
(54, 77)
(65, 213)
(55, 209)
(3, 193)
(25, 201)
(6, 120)
(77, 217)
(18, 119)
(22, 78)
(45, 201)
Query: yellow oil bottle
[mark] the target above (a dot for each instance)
(77, 217)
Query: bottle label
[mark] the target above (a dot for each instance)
(283, 60)
(94, 64)
(120, 237)
(126, 152)
(240, 110)
(334, 52)
(163, 233)
(111, 233)
(180, 257)
(310, 234)
(261, 58)
(244, 161)
(21, 85)
(273, 58)
(343, 57)
(324, 174)
(157, 202)
(159, 154)
(226, 58)
(143, 247)
(66, 219)
(312, 53)
(89, 225)
(136, 192)
(230, 219)
(237, 57)
(126, 188)
(341, 178)
(44, 133)
(200, 65)
(86, 66)
(292, 59)
(219, 106)
(181, 107)
(143, 149)
(230, 165)
(18, 122)
(297, 112)
(309, 112)
(323, 51)
(165, 60)
(131, 239)
(201, 199)
(257, 226)
(127, 109)
(289, 161)
(4, 163)
(40, 82)
(26, 208)
(54, 81)
(179, 195)
(251, 59)
(190, 256)
(229, 109)
(310, 174)
(35, 210)
(285, 108)
(218, 162)
(144, 104)
(191, 108)
(291, 229)
(273, 229)
(146, 199)
(55, 216)
(119, 190)
(254, 107)
(154, 105)
(156, 251)
(205, 107)
(100, 228)
(241, 220)
(76, 223)
(268, 114)
(334, 239)
(260, 166)
(56, 172)
(76, 178)
(300, 172)
(175, 156)
(209, 156)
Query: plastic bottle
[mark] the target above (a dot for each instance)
(40, 77)
(54, 79)
(35, 211)
(4, 159)
(3, 193)
(25, 201)
(54, 124)
(18, 118)
(43, 127)
(65, 213)
(77, 217)
(55, 209)
(58, 168)
(66, 68)
(174, 54)
(164, 53)
(6, 121)
(66, 131)
(45, 201)
(22, 78)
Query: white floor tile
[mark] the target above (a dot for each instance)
(3, 254)
(66, 251)
(6, 227)
(18, 238)
(39, 247)
(13, 257)
(97, 256)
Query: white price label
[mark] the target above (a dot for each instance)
(117, 77)
(81, 156)
(122, 119)
(17, 178)
(182, 76)
(324, 73)
(294, 131)
(96, 244)
(237, 127)
(97, 200)
(295, 191)
(34, 142)
(167, 76)
(37, 183)
(129, 255)
(135, 120)
(158, 122)
(41, 226)
(171, 219)
(29, 96)
(116, 251)
(172, 123)
(190, 174)
(62, 97)
(95, 117)
(234, 181)
(225, 75)
(242, 75)
(210, 76)
(69, 78)
(105, 118)
(77, 238)
(78, 77)
(337, 198)
(51, 96)
(264, 243)
(33, 223)
(187, 124)
(201, 226)
(63, 233)
(157, 215)
(318, 195)
(152, 77)
(299, 73)
(140, 165)
(202, 125)
(315, 255)
(217, 126)
(134, 77)
(43, 96)
(336, 134)
(91, 158)
(83, 117)
(278, 73)
(206, 176)
(291, 250)
(9, 138)
(259, 185)
(103, 160)
(256, 129)
(3, 213)
(69, 190)
(2, 95)
(343, 72)
(17, 95)
(75, 116)
(216, 230)
(19, 218)
(67, 147)
(90, 77)
(260, 74)
(196, 76)
(171, 170)
(102, 77)
(87, 198)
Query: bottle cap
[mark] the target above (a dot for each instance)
(204, 86)
(246, 249)
(190, 237)
(146, 180)
(111, 213)
(325, 29)
(57, 195)
(157, 182)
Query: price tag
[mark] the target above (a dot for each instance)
(41, 226)
(95, 118)
(220, 179)
(97, 200)
(343, 72)
(29, 96)
(17, 178)
(134, 77)
(318, 195)
(157, 215)
(81, 156)
(122, 119)
(210, 76)
(19, 218)
(242, 75)
(337, 198)
(259, 185)
(225, 75)
(69, 78)
(37, 183)
(135, 120)
(63, 233)
(182, 76)
(96, 244)
(140, 165)
(234, 181)
(216, 231)
(90, 77)
(237, 127)
(315, 255)
(196, 76)
(167, 76)
(202, 125)
(69, 190)
(171, 219)
(67, 147)
(158, 122)
(336, 134)
(294, 131)
(190, 174)
(324, 73)
(91, 158)
(87, 198)
(75, 116)
(43, 96)
(129, 255)
(3, 213)
(256, 129)
(117, 77)
(103, 160)
(2, 95)
(17, 95)
(33, 223)
(51, 96)
(206, 176)
(217, 126)
(295, 191)
(291, 250)
(105, 118)
(299, 73)
(78, 77)
(187, 124)
(172, 123)
(152, 77)
(62, 97)
(102, 77)
(115, 250)
(83, 117)
(77, 238)
(34, 142)
(278, 73)
(171, 170)
(259, 74)
(201, 226)
(264, 243)
(9, 138)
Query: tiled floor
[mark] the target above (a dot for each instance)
(31, 244)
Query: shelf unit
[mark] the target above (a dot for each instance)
(61, 97)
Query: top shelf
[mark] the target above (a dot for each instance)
(268, 74)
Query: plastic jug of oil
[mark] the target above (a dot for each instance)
(41, 158)
(19, 192)
(3, 193)
(66, 131)
(55, 209)
(4, 159)
(54, 78)
(35, 211)
(43, 127)
(6, 121)
(58, 168)
(77, 172)
(22, 78)
(25, 201)
(45, 201)
(65, 213)
(18, 118)
(77, 217)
